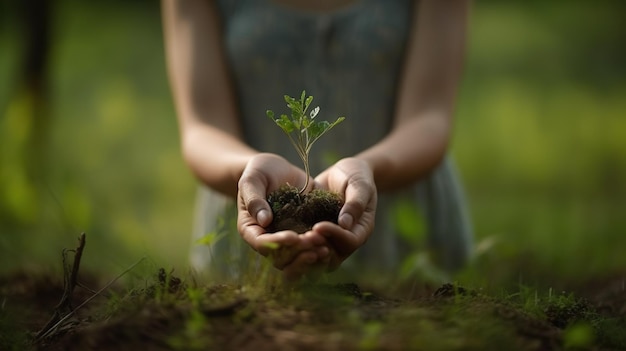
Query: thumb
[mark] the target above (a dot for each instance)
(252, 193)
(261, 211)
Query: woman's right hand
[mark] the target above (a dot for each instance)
(295, 254)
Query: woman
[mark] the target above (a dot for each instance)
(391, 67)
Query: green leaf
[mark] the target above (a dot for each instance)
(289, 100)
(286, 124)
(270, 114)
(272, 246)
(209, 239)
(293, 105)
(308, 102)
(317, 129)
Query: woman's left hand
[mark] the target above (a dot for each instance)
(353, 179)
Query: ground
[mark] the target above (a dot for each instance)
(168, 312)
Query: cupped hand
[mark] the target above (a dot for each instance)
(263, 174)
(295, 254)
(354, 180)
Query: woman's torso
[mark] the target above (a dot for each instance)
(349, 59)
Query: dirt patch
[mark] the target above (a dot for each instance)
(607, 293)
(170, 312)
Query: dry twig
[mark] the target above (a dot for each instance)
(70, 281)
(64, 310)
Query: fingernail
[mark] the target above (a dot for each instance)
(263, 217)
(346, 220)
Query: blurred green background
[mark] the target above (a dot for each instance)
(540, 140)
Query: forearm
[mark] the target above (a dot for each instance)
(427, 96)
(410, 152)
(211, 139)
(216, 158)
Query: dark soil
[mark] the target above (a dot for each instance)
(168, 312)
(293, 211)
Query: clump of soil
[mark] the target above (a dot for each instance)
(562, 313)
(293, 211)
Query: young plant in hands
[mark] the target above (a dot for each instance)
(301, 129)
(294, 209)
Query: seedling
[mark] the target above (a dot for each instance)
(301, 129)
(292, 208)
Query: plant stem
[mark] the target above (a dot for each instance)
(302, 146)
(307, 172)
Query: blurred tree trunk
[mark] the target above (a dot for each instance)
(26, 120)
(36, 22)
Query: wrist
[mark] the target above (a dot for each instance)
(216, 159)
(378, 166)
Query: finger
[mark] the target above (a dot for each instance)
(281, 257)
(333, 233)
(318, 183)
(301, 265)
(253, 192)
(248, 228)
(323, 253)
(261, 211)
(266, 243)
(291, 247)
(311, 239)
(358, 195)
(343, 242)
(328, 261)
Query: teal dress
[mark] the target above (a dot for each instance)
(350, 60)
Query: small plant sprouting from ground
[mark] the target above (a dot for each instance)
(301, 129)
